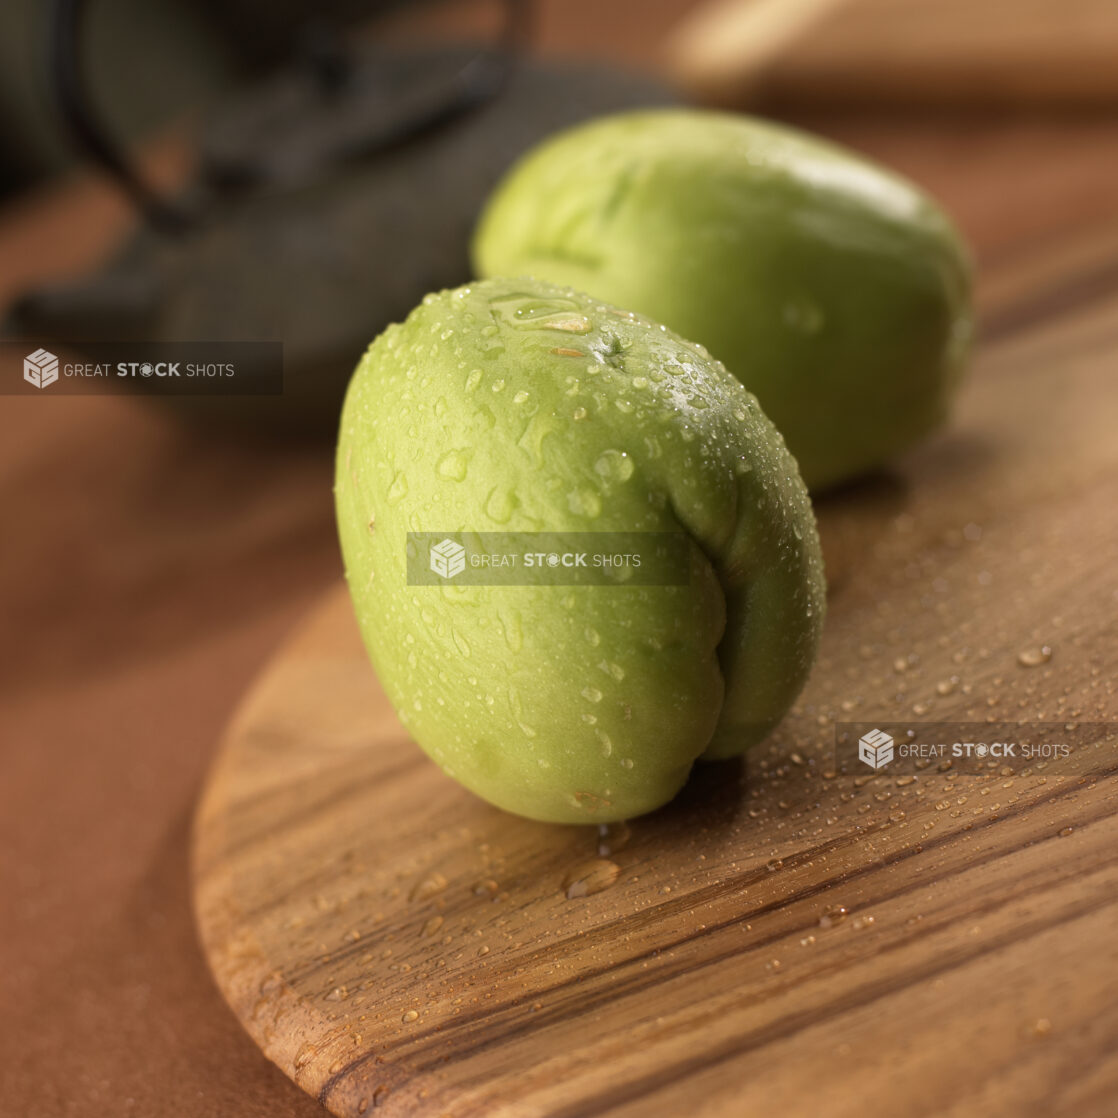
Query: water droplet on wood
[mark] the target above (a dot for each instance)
(590, 877)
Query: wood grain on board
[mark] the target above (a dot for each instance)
(782, 939)
(908, 52)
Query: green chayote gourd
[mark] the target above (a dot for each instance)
(517, 406)
(835, 291)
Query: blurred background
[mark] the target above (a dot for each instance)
(304, 170)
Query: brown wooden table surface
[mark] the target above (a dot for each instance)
(146, 572)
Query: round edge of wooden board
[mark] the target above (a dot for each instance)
(243, 975)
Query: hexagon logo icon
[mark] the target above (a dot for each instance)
(40, 368)
(448, 558)
(875, 749)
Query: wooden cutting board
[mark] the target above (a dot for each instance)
(782, 939)
(882, 53)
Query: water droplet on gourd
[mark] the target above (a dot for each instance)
(514, 632)
(614, 465)
(584, 502)
(454, 464)
(570, 324)
(398, 490)
(410, 1016)
(501, 504)
(1034, 657)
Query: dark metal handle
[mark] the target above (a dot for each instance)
(67, 24)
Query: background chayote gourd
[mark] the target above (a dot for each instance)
(835, 291)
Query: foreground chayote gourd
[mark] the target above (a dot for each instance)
(836, 292)
(516, 406)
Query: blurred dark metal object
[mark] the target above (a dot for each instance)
(91, 140)
(331, 107)
(269, 32)
(341, 107)
(329, 200)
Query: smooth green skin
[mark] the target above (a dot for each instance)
(564, 703)
(836, 292)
